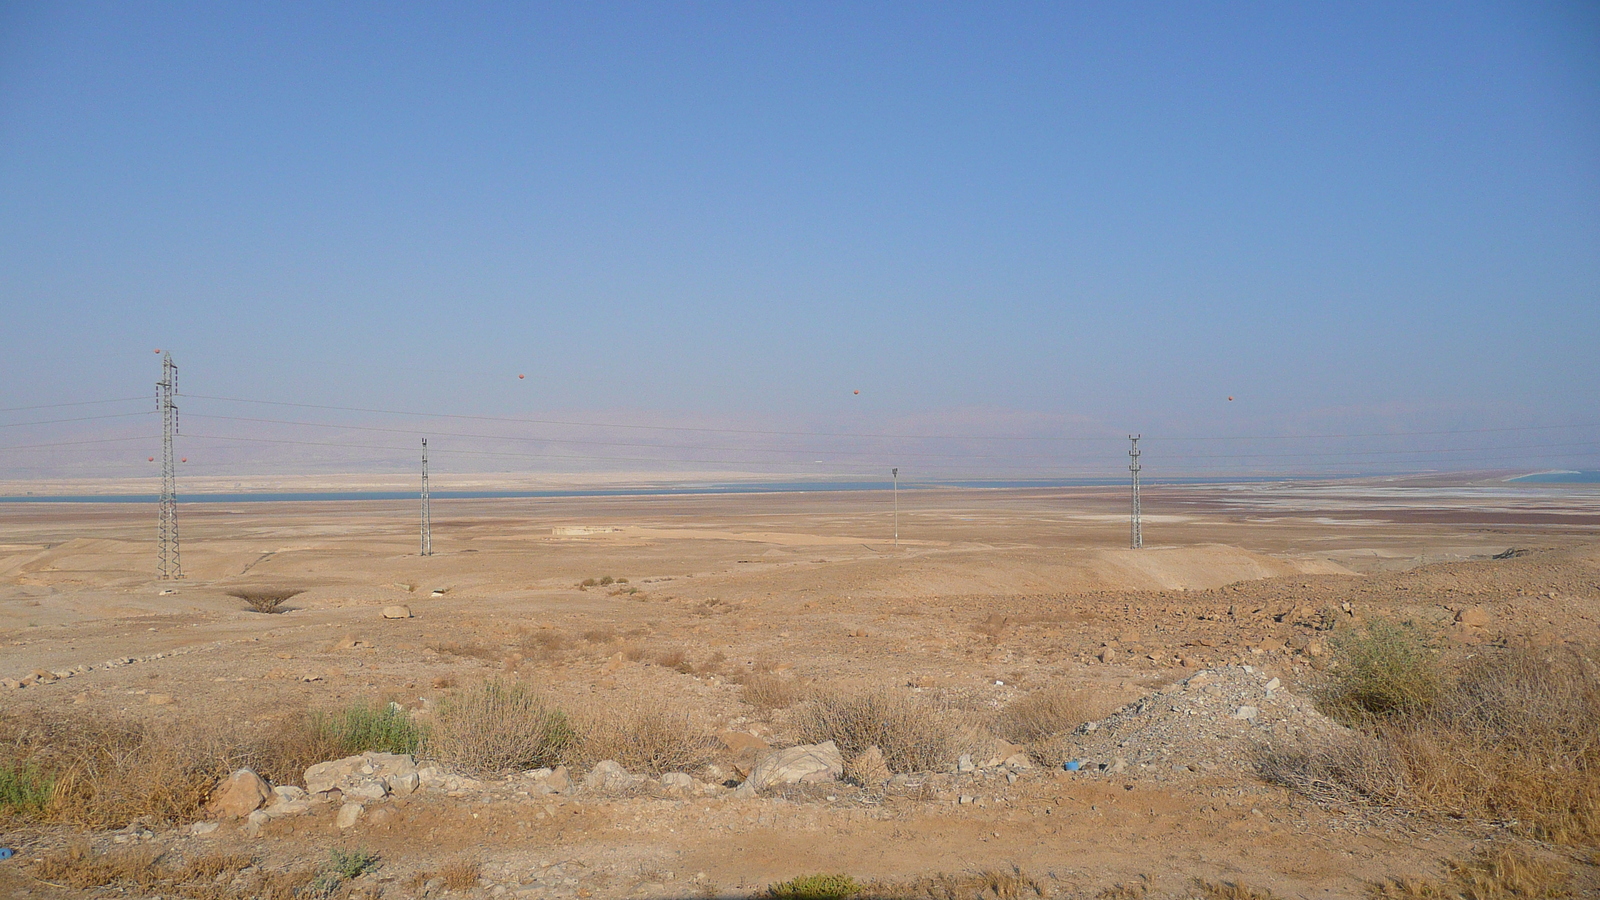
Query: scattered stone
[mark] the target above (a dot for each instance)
(964, 764)
(349, 814)
(1108, 654)
(609, 775)
(397, 612)
(1474, 617)
(10, 684)
(238, 795)
(1248, 713)
(370, 776)
(677, 781)
(200, 829)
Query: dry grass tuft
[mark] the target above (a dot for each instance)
(1041, 714)
(499, 727)
(642, 738)
(769, 692)
(1385, 668)
(1349, 768)
(461, 874)
(1231, 890)
(265, 599)
(1493, 873)
(148, 872)
(992, 884)
(913, 734)
(676, 660)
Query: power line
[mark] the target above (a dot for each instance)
(78, 419)
(918, 437)
(74, 403)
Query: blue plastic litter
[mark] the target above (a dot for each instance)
(6, 852)
(1072, 765)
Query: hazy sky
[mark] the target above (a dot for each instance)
(1036, 220)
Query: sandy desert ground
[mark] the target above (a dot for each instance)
(988, 596)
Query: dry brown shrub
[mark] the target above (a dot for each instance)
(461, 874)
(1348, 768)
(914, 735)
(770, 692)
(265, 599)
(1041, 714)
(1493, 873)
(991, 884)
(600, 635)
(642, 737)
(499, 727)
(675, 659)
(544, 645)
(632, 652)
(1124, 891)
(470, 651)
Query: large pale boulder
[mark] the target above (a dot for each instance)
(609, 775)
(238, 795)
(806, 763)
(370, 776)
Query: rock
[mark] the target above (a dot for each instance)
(403, 785)
(349, 814)
(200, 829)
(560, 780)
(397, 612)
(677, 781)
(1273, 685)
(238, 795)
(1019, 761)
(368, 776)
(738, 741)
(609, 775)
(285, 809)
(869, 769)
(808, 763)
(964, 764)
(997, 753)
(1108, 654)
(1474, 617)
(1247, 713)
(288, 793)
(10, 684)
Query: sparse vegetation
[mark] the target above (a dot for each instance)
(149, 872)
(499, 727)
(1515, 735)
(914, 735)
(815, 887)
(1231, 890)
(990, 884)
(461, 874)
(24, 789)
(361, 727)
(642, 738)
(1040, 714)
(265, 599)
(769, 692)
(1493, 873)
(1385, 668)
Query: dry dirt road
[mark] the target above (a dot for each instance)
(989, 594)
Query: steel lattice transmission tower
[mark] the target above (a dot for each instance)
(1135, 533)
(169, 564)
(427, 519)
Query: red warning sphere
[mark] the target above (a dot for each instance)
(185, 459)
(158, 349)
(1230, 399)
(152, 459)
(520, 377)
(858, 392)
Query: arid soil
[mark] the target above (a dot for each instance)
(988, 595)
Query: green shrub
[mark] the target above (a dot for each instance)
(24, 788)
(1384, 669)
(814, 887)
(360, 727)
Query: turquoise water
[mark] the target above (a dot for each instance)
(1558, 478)
(752, 487)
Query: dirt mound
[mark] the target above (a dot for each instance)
(1216, 722)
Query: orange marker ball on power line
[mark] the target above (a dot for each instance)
(520, 377)
(152, 459)
(185, 459)
(858, 392)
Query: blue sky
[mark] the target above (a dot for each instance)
(1045, 220)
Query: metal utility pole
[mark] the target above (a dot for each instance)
(1135, 535)
(427, 521)
(895, 473)
(168, 565)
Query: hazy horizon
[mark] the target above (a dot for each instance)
(825, 240)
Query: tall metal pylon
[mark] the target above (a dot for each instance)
(169, 565)
(1135, 534)
(427, 521)
(895, 474)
